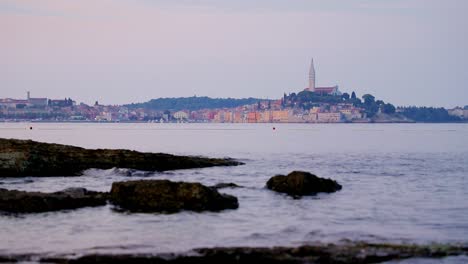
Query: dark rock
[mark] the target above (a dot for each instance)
(167, 196)
(29, 158)
(299, 183)
(8, 259)
(225, 185)
(360, 253)
(34, 202)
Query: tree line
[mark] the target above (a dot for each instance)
(193, 103)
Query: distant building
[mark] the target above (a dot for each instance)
(351, 113)
(62, 103)
(329, 117)
(181, 115)
(253, 117)
(9, 103)
(104, 116)
(332, 90)
(36, 102)
(312, 76)
(459, 112)
(280, 116)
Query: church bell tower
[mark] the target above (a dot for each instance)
(312, 76)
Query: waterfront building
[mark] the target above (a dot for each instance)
(329, 117)
(253, 117)
(181, 115)
(351, 113)
(238, 117)
(224, 116)
(459, 112)
(104, 116)
(281, 116)
(266, 117)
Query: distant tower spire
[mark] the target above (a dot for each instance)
(29, 95)
(312, 76)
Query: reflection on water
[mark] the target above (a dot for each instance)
(401, 183)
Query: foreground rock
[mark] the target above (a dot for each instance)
(361, 253)
(29, 158)
(299, 183)
(34, 202)
(167, 196)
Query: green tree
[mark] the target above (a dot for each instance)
(388, 109)
(428, 114)
(368, 99)
(356, 102)
(345, 96)
(353, 95)
(193, 103)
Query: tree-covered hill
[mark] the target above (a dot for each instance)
(193, 103)
(428, 114)
(370, 106)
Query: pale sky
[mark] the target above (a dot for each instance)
(408, 52)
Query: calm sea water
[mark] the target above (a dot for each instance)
(401, 183)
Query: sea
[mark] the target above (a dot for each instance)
(402, 183)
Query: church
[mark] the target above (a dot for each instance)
(333, 90)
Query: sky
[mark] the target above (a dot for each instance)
(407, 52)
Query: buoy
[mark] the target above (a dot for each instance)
(274, 128)
(30, 128)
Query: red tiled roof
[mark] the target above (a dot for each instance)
(325, 88)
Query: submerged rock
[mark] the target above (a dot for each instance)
(298, 183)
(223, 185)
(34, 202)
(168, 196)
(29, 158)
(360, 253)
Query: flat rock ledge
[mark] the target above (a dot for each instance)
(19, 158)
(168, 197)
(14, 201)
(360, 253)
(299, 183)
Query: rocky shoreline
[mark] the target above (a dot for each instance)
(20, 158)
(150, 196)
(14, 201)
(319, 253)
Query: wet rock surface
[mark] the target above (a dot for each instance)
(167, 196)
(20, 158)
(14, 201)
(299, 183)
(223, 185)
(359, 252)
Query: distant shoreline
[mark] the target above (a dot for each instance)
(272, 123)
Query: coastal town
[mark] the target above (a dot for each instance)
(314, 104)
